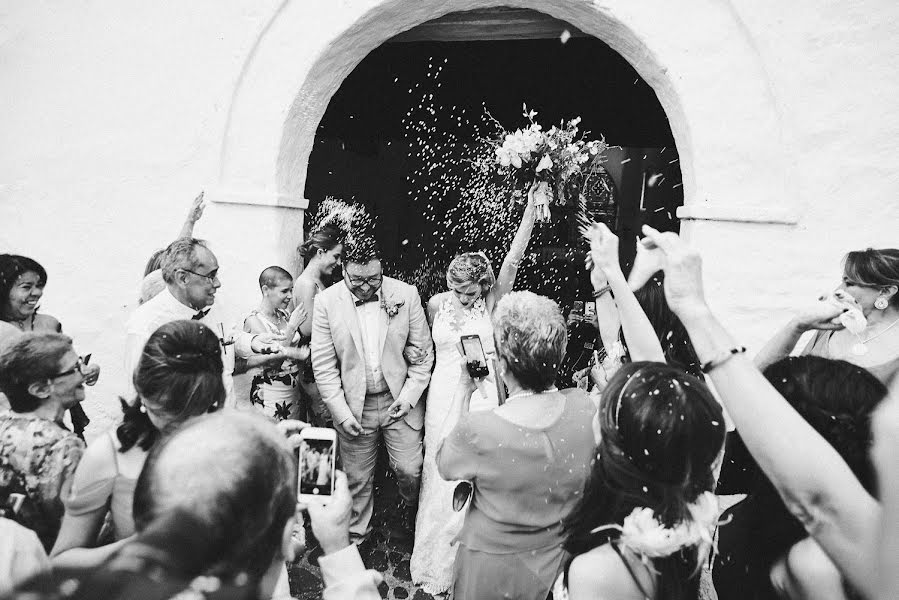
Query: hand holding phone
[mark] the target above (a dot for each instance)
(316, 464)
(475, 359)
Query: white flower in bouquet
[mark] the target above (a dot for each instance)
(545, 163)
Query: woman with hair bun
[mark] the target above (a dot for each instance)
(869, 287)
(178, 376)
(464, 309)
(644, 524)
(322, 253)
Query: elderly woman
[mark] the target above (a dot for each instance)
(871, 279)
(527, 460)
(40, 373)
(464, 309)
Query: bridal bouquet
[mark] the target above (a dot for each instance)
(554, 162)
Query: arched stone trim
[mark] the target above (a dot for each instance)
(695, 54)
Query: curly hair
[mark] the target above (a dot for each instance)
(531, 336)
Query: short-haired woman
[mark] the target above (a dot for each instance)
(527, 460)
(178, 376)
(40, 373)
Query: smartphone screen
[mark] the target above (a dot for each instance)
(316, 463)
(474, 356)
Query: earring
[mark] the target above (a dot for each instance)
(143, 409)
(881, 303)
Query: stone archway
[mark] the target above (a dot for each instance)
(709, 80)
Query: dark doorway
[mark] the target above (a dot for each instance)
(397, 134)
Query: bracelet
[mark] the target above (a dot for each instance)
(722, 358)
(603, 290)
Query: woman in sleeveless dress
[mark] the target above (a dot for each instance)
(644, 523)
(871, 278)
(465, 309)
(322, 252)
(274, 390)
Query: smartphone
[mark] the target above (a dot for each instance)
(475, 359)
(316, 464)
(577, 311)
(590, 311)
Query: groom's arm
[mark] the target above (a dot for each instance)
(418, 375)
(326, 366)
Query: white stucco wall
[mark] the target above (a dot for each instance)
(115, 113)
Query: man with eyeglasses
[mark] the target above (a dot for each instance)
(190, 271)
(359, 331)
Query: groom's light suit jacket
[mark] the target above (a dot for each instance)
(338, 356)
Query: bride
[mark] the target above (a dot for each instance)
(464, 309)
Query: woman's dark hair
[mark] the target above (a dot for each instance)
(672, 335)
(179, 375)
(662, 431)
(12, 266)
(875, 268)
(324, 239)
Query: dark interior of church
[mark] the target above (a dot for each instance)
(371, 147)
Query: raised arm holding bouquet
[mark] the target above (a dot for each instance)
(551, 163)
(815, 483)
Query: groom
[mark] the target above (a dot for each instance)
(359, 331)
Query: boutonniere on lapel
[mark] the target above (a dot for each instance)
(391, 307)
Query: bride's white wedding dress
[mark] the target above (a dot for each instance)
(437, 523)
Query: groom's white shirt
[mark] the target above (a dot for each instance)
(369, 317)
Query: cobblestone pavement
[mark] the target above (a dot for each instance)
(390, 557)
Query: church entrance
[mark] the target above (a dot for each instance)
(400, 134)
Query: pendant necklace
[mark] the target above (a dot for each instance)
(860, 349)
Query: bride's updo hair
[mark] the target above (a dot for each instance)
(662, 433)
(470, 267)
(324, 239)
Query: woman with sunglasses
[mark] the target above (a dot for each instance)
(870, 283)
(22, 282)
(41, 377)
(178, 376)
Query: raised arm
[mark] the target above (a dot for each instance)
(642, 341)
(196, 211)
(505, 281)
(815, 483)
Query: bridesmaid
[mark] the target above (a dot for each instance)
(322, 252)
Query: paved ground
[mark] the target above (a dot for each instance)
(388, 556)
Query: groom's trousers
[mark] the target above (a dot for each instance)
(359, 455)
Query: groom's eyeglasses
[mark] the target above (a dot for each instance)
(372, 280)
